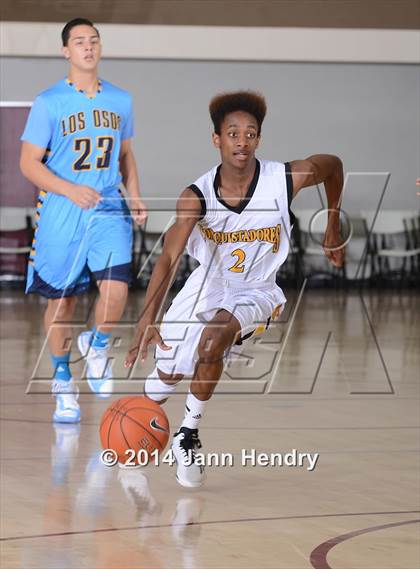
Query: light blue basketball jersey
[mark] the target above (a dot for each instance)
(82, 136)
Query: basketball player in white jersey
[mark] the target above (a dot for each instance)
(235, 220)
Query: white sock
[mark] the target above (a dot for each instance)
(194, 409)
(156, 389)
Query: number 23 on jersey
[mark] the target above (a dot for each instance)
(84, 146)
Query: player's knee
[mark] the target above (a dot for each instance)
(212, 345)
(113, 292)
(62, 308)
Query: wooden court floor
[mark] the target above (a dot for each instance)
(337, 376)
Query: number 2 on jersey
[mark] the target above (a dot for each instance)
(238, 267)
(84, 146)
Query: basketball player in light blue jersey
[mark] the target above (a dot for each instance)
(77, 150)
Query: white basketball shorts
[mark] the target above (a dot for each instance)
(198, 302)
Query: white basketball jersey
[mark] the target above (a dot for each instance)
(246, 244)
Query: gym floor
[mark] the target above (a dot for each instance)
(337, 376)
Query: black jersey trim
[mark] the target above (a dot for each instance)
(289, 185)
(202, 199)
(245, 201)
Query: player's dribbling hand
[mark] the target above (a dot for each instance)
(146, 335)
(83, 196)
(334, 251)
(138, 210)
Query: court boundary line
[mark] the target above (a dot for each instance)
(318, 557)
(205, 523)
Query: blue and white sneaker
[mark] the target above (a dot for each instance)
(99, 368)
(67, 408)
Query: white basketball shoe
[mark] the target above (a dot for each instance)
(67, 408)
(99, 368)
(184, 446)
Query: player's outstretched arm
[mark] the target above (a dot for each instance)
(32, 168)
(326, 169)
(188, 212)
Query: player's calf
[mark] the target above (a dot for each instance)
(211, 349)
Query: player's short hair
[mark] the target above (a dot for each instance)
(65, 34)
(247, 101)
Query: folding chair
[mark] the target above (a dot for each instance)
(393, 236)
(16, 233)
(311, 234)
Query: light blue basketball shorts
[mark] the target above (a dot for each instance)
(71, 244)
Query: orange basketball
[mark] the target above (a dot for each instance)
(134, 423)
